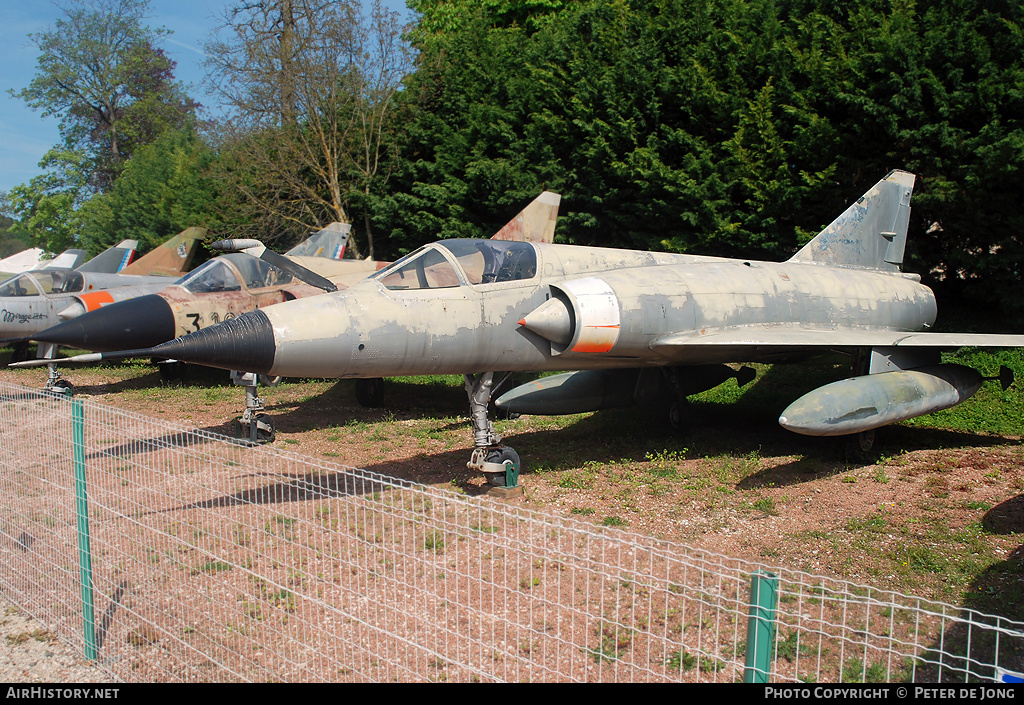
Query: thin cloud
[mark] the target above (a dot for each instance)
(183, 45)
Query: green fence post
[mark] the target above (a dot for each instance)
(82, 510)
(764, 588)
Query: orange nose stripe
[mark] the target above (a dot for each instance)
(96, 299)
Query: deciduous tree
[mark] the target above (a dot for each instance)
(100, 71)
(310, 84)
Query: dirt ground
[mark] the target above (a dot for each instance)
(935, 513)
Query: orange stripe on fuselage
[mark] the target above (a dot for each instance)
(597, 339)
(96, 299)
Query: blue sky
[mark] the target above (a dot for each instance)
(25, 136)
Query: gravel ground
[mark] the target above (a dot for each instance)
(30, 653)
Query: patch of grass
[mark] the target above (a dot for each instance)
(41, 635)
(529, 583)
(926, 560)
(213, 567)
(681, 661)
(711, 665)
(766, 505)
(614, 641)
(435, 542)
(280, 523)
(855, 671)
(581, 479)
(793, 645)
(665, 463)
(977, 505)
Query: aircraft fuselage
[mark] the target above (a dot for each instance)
(619, 305)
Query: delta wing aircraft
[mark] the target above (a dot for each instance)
(31, 258)
(631, 324)
(218, 290)
(35, 258)
(110, 261)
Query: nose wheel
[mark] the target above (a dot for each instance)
(61, 386)
(258, 429)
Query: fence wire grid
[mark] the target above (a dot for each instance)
(211, 560)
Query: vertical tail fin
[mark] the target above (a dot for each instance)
(329, 242)
(171, 259)
(68, 259)
(871, 233)
(113, 259)
(535, 223)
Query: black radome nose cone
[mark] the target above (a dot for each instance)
(245, 343)
(141, 322)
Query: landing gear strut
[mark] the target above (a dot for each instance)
(499, 463)
(254, 424)
(54, 382)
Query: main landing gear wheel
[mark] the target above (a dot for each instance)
(678, 415)
(370, 392)
(859, 447)
(672, 414)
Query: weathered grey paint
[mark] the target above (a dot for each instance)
(869, 402)
(477, 328)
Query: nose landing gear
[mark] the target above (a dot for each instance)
(498, 462)
(254, 424)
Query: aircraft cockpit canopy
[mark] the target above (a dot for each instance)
(21, 285)
(231, 272)
(257, 273)
(67, 282)
(480, 262)
(43, 282)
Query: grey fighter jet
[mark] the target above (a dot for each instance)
(632, 325)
